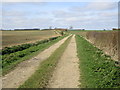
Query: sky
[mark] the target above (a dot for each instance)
(91, 15)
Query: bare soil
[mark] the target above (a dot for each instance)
(26, 68)
(66, 74)
(12, 38)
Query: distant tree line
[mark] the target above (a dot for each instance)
(27, 29)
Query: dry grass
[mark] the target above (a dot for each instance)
(105, 40)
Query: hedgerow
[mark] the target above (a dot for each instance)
(26, 51)
(9, 50)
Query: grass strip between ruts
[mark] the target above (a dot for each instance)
(42, 75)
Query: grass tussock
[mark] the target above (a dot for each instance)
(97, 69)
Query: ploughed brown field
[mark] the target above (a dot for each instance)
(11, 38)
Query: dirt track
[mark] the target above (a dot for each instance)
(67, 73)
(25, 69)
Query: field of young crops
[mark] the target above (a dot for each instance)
(11, 38)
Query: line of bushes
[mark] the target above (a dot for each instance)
(8, 50)
(97, 69)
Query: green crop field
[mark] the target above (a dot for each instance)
(11, 38)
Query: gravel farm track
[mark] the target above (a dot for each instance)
(26, 68)
(66, 74)
(80, 64)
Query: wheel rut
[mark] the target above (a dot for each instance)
(66, 74)
(26, 68)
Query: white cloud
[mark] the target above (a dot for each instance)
(96, 6)
(94, 15)
(12, 13)
(71, 14)
(102, 17)
(102, 5)
(60, 1)
(108, 14)
(25, 22)
(22, 0)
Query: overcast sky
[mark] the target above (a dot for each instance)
(88, 15)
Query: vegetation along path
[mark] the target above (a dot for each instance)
(66, 74)
(25, 69)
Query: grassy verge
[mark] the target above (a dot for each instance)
(97, 69)
(41, 77)
(10, 61)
